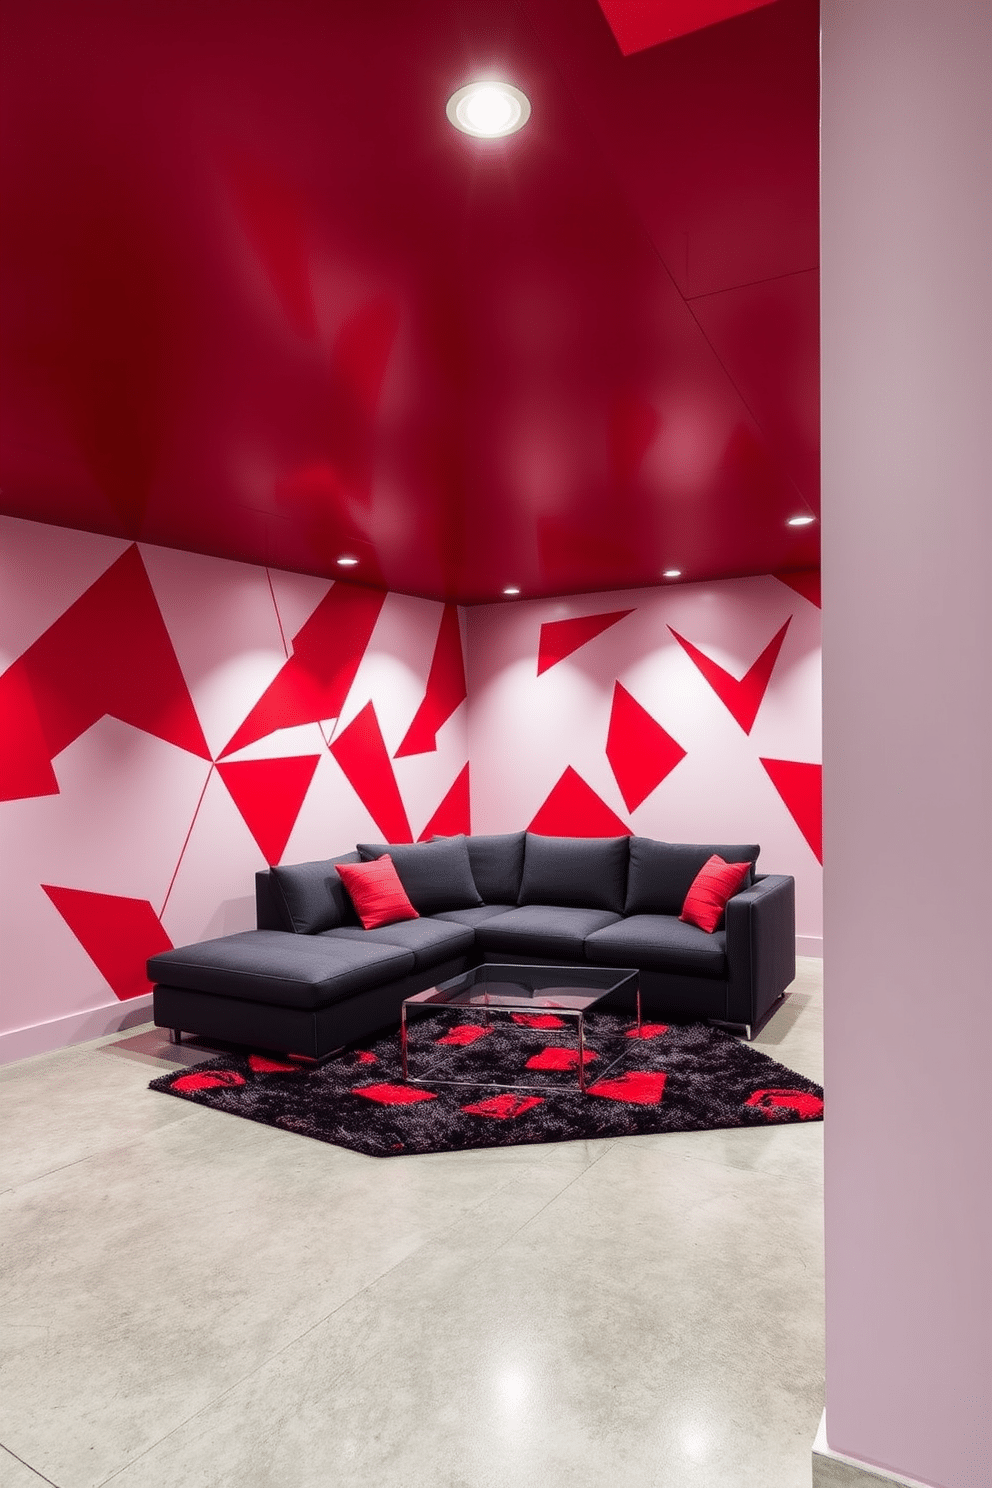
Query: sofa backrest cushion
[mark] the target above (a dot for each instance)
(497, 866)
(313, 896)
(575, 872)
(436, 875)
(662, 873)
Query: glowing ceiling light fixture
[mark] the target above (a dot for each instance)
(672, 573)
(511, 589)
(488, 110)
(346, 561)
(803, 521)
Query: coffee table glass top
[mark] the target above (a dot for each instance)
(567, 988)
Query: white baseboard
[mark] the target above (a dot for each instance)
(834, 1470)
(809, 945)
(76, 1028)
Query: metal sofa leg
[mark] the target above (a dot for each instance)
(175, 1035)
(741, 1029)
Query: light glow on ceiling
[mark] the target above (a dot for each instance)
(672, 573)
(488, 110)
(511, 589)
(800, 521)
(346, 561)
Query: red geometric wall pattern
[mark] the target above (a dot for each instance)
(573, 809)
(269, 794)
(743, 697)
(315, 681)
(801, 788)
(446, 689)
(640, 752)
(627, 738)
(361, 752)
(135, 840)
(139, 838)
(454, 813)
(559, 638)
(109, 653)
(117, 934)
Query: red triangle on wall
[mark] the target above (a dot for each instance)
(453, 814)
(801, 787)
(559, 638)
(573, 809)
(269, 794)
(804, 581)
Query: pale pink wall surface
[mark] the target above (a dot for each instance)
(526, 729)
(137, 818)
(907, 372)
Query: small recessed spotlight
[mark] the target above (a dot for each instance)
(511, 589)
(488, 110)
(346, 561)
(672, 573)
(800, 521)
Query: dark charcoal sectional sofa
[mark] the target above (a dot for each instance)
(310, 979)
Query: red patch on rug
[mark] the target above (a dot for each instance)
(263, 1066)
(538, 1020)
(559, 1059)
(207, 1081)
(647, 1031)
(464, 1033)
(393, 1095)
(365, 1056)
(504, 1107)
(806, 1106)
(637, 1087)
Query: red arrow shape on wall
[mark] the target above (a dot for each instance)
(742, 698)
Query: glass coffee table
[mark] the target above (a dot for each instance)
(569, 991)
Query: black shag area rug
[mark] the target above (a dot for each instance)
(661, 1078)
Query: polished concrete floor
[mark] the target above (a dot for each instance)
(190, 1300)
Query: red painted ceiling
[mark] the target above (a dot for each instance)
(259, 299)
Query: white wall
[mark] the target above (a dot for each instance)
(907, 455)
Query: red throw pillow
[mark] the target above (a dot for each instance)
(376, 892)
(710, 890)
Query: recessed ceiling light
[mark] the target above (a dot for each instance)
(511, 589)
(346, 561)
(672, 573)
(489, 109)
(800, 521)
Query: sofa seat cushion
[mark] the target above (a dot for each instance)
(542, 930)
(429, 941)
(278, 967)
(659, 943)
(473, 917)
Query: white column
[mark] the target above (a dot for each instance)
(907, 568)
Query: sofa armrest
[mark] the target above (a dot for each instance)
(761, 946)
